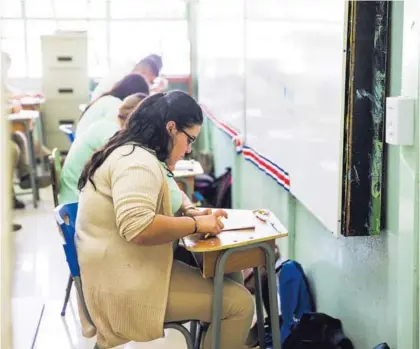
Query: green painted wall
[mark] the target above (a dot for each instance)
(361, 279)
(408, 191)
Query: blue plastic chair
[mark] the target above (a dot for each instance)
(55, 170)
(69, 131)
(66, 215)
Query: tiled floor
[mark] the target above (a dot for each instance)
(40, 280)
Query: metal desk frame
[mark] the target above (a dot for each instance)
(272, 285)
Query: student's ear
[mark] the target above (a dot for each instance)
(171, 127)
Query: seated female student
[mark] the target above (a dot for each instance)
(149, 67)
(108, 103)
(87, 143)
(126, 232)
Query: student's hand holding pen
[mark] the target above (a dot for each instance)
(211, 224)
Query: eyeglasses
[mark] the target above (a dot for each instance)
(190, 139)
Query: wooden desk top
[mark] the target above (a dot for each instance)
(27, 101)
(196, 170)
(24, 115)
(235, 238)
(32, 100)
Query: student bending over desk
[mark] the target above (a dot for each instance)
(94, 138)
(127, 232)
(108, 103)
(149, 67)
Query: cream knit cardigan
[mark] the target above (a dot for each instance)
(125, 285)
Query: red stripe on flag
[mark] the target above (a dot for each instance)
(267, 166)
(221, 124)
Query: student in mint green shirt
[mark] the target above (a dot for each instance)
(86, 143)
(107, 105)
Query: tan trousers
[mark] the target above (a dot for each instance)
(190, 297)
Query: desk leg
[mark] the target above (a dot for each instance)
(259, 304)
(272, 290)
(32, 153)
(41, 139)
(216, 319)
(218, 291)
(193, 331)
(32, 163)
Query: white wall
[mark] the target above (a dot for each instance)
(6, 241)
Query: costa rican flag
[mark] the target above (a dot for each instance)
(270, 168)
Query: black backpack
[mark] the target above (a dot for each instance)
(214, 192)
(317, 331)
(223, 190)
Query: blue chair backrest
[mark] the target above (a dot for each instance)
(66, 215)
(68, 130)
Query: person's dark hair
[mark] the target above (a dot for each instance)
(130, 84)
(154, 62)
(146, 128)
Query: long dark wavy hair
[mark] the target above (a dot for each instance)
(129, 85)
(146, 128)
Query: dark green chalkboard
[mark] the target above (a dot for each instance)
(365, 117)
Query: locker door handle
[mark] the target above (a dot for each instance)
(66, 122)
(64, 58)
(65, 90)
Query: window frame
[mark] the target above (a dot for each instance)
(108, 19)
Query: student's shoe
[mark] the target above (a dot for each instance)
(17, 204)
(43, 181)
(16, 227)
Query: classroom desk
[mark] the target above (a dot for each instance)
(234, 251)
(27, 103)
(185, 178)
(31, 103)
(28, 118)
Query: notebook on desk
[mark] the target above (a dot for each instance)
(239, 219)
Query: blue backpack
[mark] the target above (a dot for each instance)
(295, 299)
(295, 296)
